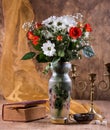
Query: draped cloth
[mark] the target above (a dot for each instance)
(19, 79)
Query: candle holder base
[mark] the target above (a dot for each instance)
(97, 116)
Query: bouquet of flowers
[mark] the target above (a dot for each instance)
(59, 39)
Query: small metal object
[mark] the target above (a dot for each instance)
(74, 74)
(78, 85)
(103, 85)
(92, 79)
(83, 118)
(92, 110)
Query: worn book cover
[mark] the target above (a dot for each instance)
(24, 111)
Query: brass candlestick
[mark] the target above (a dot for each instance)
(92, 110)
(108, 75)
(74, 75)
(78, 84)
(104, 85)
(92, 79)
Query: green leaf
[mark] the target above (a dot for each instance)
(28, 55)
(88, 51)
(61, 53)
(37, 47)
(58, 103)
(41, 58)
(55, 61)
(47, 68)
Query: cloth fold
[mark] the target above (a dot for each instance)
(19, 79)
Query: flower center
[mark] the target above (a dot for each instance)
(49, 48)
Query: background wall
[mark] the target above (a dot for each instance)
(97, 13)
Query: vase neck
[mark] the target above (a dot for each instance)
(61, 67)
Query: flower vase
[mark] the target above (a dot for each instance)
(60, 85)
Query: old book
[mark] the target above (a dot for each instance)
(24, 111)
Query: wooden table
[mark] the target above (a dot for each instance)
(44, 124)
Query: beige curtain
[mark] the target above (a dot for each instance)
(19, 79)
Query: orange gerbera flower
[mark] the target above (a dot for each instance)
(30, 35)
(59, 38)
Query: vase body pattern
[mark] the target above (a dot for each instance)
(60, 85)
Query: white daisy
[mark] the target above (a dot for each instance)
(49, 48)
(49, 22)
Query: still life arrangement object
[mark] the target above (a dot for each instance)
(57, 41)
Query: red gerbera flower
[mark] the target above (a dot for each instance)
(35, 40)
(75, 32)
(88, 27)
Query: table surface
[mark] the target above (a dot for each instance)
(44, 124)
